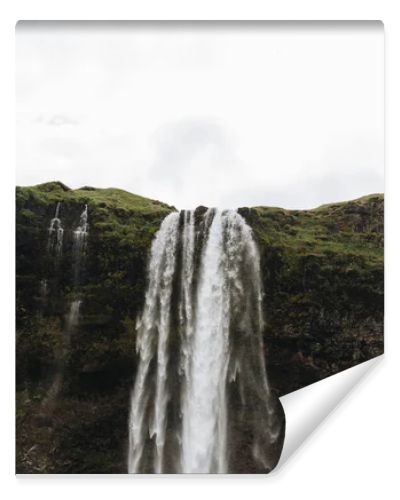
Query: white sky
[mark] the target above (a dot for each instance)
(223, 115)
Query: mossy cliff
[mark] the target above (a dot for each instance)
(85, 429)
(324, 284)
(323, 279)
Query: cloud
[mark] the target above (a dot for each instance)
(191, 159)
(181, 147)
(61, 120)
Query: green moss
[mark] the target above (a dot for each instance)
(348, 228)
(323, 281)
(121, 202)
(323, 306)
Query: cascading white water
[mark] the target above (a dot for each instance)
(55, 234)
(186, 296)
(152, 336)
(204, 418)
(201, 401)
(72, 317)
(81, 232)
(79, 242)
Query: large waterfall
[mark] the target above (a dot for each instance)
(201, 400)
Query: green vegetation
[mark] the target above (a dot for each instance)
(349, 228)
(50, 193)
(86, 429)
(323, 282)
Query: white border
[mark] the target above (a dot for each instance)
(355, 453)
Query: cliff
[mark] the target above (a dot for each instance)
(324, 288)
(85, 429)
(323, 280)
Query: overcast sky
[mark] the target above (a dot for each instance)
(220, 115)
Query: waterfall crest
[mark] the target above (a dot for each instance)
(201, 401)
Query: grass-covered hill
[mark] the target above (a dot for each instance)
(324, 287)
(323, 280)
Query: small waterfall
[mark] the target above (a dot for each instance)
(73, 315)
(71, 322)
(79, 240)
(201, 400)
(43, 291)
(55, 234)
(80, 235)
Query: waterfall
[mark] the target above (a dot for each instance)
(73, 315)
(55, 234)
(204, 418)
(155, 322)
(79, 241)
(201, 400)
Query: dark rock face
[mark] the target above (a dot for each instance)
(324, 283)
(85, 428)
(323, 280)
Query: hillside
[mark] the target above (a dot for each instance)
(323, 281)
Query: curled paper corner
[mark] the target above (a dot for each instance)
(305, 409)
